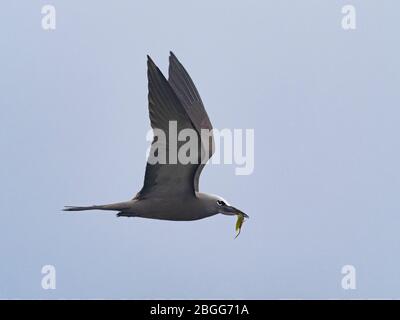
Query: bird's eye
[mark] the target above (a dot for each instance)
(220, 203)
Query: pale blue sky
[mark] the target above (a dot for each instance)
(324, 104)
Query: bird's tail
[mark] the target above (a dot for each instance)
(113, 207)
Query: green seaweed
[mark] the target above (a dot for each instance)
(239, 224)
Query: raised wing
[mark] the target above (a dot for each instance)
(187, 93)
(166, 179)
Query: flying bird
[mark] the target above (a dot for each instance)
(171, 190)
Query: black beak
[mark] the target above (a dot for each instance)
(237, 212)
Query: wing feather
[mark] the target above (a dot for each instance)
(187, 93)
(168, 179)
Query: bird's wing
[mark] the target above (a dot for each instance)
(187, 93)
(168, 179)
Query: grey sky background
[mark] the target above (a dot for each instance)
(324, 104)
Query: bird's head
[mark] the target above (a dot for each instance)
(223, 207)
